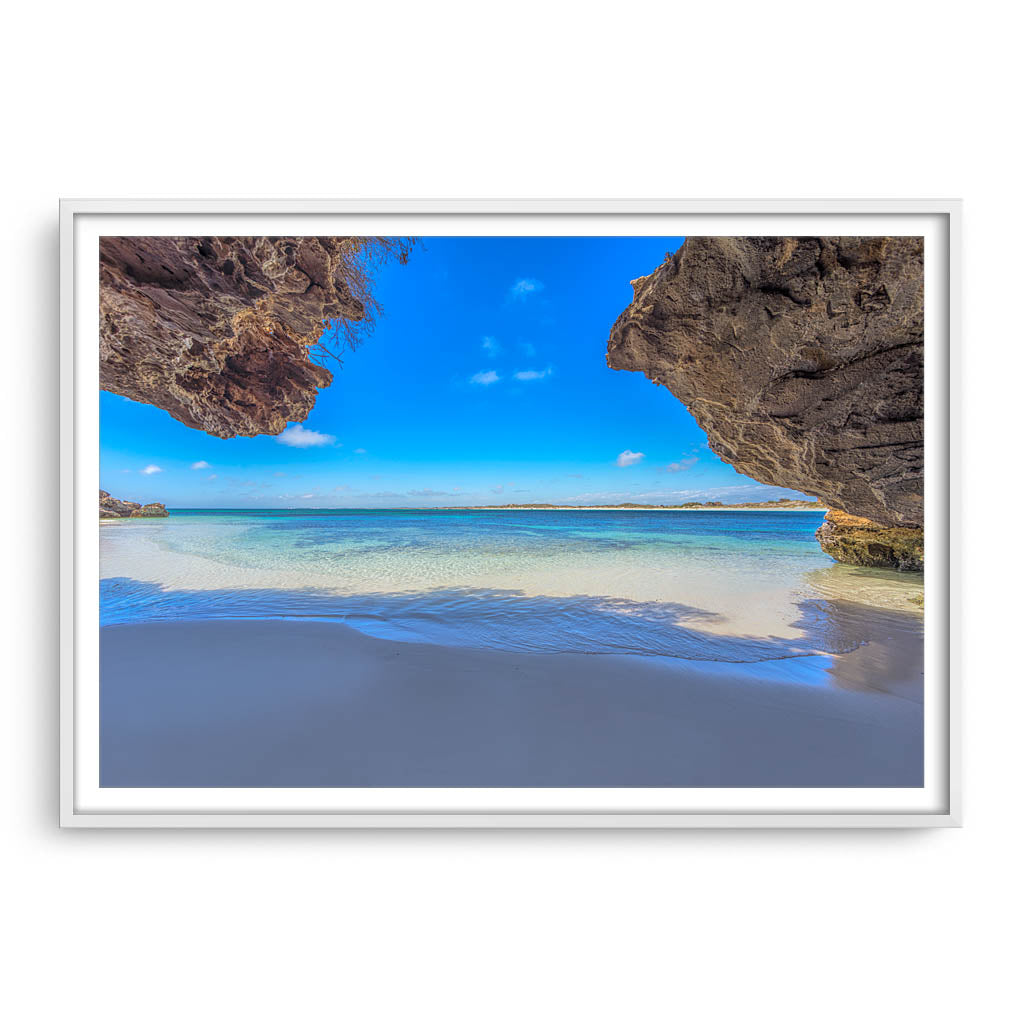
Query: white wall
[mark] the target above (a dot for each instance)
(532, 99)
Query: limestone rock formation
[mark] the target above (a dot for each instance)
(801, 358)
(115, 508)
(858, 541)
(218, 331)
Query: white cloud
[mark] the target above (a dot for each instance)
(491, 345)
(533, 374)
(297, 436)
(628, 458)
(212, 476)
(359, 451)
(485, 377)
(150, 470)
(201, 464)
(682, 465)
(526, 286)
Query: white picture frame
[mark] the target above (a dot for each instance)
(82, 220)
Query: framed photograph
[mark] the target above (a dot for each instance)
(546, 514)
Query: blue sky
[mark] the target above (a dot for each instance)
(484, 382)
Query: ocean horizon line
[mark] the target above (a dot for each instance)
(532, 507)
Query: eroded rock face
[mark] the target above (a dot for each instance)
(858, 541)
(217, 331)
(115, 508)
(801, 358)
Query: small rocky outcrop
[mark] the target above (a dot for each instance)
(115, 508)
(219, 331)
(801, 358)
(858, 541)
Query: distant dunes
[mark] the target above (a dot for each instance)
(789, 504)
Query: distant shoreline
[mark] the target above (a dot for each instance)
(765, 507)
(805, 507)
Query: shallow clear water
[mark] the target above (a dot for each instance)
(709, 586)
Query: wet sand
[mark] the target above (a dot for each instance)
(305, 704)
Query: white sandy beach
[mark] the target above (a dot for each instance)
(278, 703)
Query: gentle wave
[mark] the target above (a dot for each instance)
(509, 620)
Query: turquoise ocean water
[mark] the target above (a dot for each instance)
(734, 587)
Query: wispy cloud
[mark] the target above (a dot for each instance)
(525, 287)
(428, 493)
(201, 464)
(150, 470)
(485, 377)
(500, 489)
(628, 458)
(359, 451)
(491, 345)
(212, 476)
(527, 348)
(297, 436)
(533, 374)
(682, 465)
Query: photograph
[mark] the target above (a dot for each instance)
(510, 511)
(510, 514)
